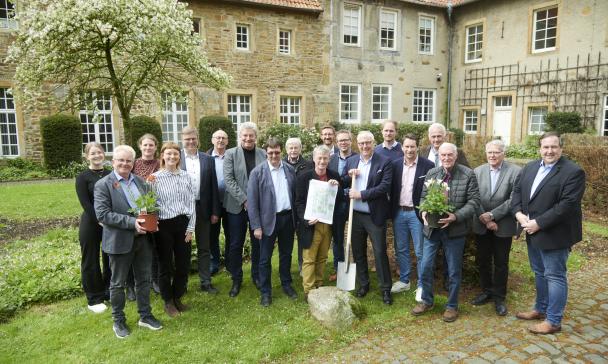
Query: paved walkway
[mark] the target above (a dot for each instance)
(479, 336)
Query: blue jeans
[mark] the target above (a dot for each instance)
(453, 249)
(404, 224)
(283, 232)
(549, 267)
(237, 224)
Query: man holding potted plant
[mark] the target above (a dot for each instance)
(452, 189)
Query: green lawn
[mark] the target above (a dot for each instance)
(26, 201)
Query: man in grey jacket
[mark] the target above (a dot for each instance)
(494, 225)
(464, 197)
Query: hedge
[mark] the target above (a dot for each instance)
(208, 125)
(564, 122)
(138, 126)
(61, 140)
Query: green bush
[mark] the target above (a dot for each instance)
(564, 122)
(208, 125)
(527, 150)
(71, 170)
(458, 137)
(138, 126)
(20, 169)
(61, 140)
(282, 132)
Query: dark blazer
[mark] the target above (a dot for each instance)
(112, 210)
(301, 165)
(461, 159)
(333, 162)
(556, 203)
(422, 166)
(209, 200)
(306, 231)
(378, 186)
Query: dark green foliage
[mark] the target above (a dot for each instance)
(61, 140)
(458, 138)
(71, 170)
(208, 125)
(282, 132)
(140, 125)
(527, 150)
(564, 122)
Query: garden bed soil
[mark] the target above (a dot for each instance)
(11, 230)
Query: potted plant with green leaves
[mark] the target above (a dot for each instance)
(146, 207)
(435, 202)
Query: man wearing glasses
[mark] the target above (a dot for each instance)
(219, 139)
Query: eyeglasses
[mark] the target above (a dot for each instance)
(494, 153)
(364, 143)
(126, 161)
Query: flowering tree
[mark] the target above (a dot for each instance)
(128, 47)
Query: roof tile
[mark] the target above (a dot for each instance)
(314, 5)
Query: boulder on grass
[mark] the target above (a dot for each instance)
(335, 308)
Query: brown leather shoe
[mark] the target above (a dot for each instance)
(171, 310)
(450, 315)
(181, 306)
(421, 308)
(544, 328)
(530, 315)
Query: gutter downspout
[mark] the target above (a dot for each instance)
(450, 44)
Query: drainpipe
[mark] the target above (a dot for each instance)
(450, 44)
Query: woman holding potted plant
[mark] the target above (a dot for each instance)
(177, 217)
(95, 280)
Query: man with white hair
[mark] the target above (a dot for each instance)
(293, 157)
(437, 136)
(464, 197)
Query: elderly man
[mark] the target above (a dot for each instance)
(201, 169)
(271, 210)
(408, 179)
(125, 240)
(389, 148)
(494, 225)
(293, 149)
(437, 136)
(238, 164)
(219, 140)
(371, 208)
(547, 204)
(328, 137)
(464, 197)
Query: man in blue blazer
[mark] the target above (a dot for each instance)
(201, 168)
(271, 210)
(408, 178)
(546, 202)
(371, 209)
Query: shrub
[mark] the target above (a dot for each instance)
(61, 140)
(527, 150)
(564, 122)
(457, 136)
(208, 125)
(138, 126)
(282, 132)
(71, 170)
(20, 169)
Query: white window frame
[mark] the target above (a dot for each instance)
(359, 9)
(383, 103)
(533, 117)
(238, 44)
(99, 118)
(395, 15)
(431, 44)
(243, 104)
(422, 116)
(290, 109)
(7, 20)
(7, 111)
(605, 119)
(468, 116)
(175, 112)
(284, 43)
(357, 103)
(535, 23)
(478, 41)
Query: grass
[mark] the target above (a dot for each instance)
(596, 229)
(26, 201)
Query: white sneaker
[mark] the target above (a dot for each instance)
(98, 308)
(419, 294)
(400, 287)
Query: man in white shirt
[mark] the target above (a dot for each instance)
(219, 139)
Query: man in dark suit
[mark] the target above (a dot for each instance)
(371, 210)
(547, 204)
(437, 136)
(408, 178)
(271, 210)
(201, 169)
(125, 240)
(219, 140)
(494, 225)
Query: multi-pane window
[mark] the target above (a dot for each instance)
(388, 29)
(423, 110)
(285, 41)
(426, 32)
(470, 121)
(350, 102)
(381, 102)
(289, 109)
(537, 117)
(242, 36)
(96, 119)
(175, 116)
(474, 43)
(351, 24)
(9, 142)
(239, 109)
(502, 101)
(7, 14)
(544, 35)
(605, 128)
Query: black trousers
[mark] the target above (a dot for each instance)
(214, 242)
(95, 279)
(493, 263)
(202, 233)
(173, 257)
(362, 227)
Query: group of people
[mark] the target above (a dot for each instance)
(263, 192)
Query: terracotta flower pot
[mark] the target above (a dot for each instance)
(433, 219)
(150, 222)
